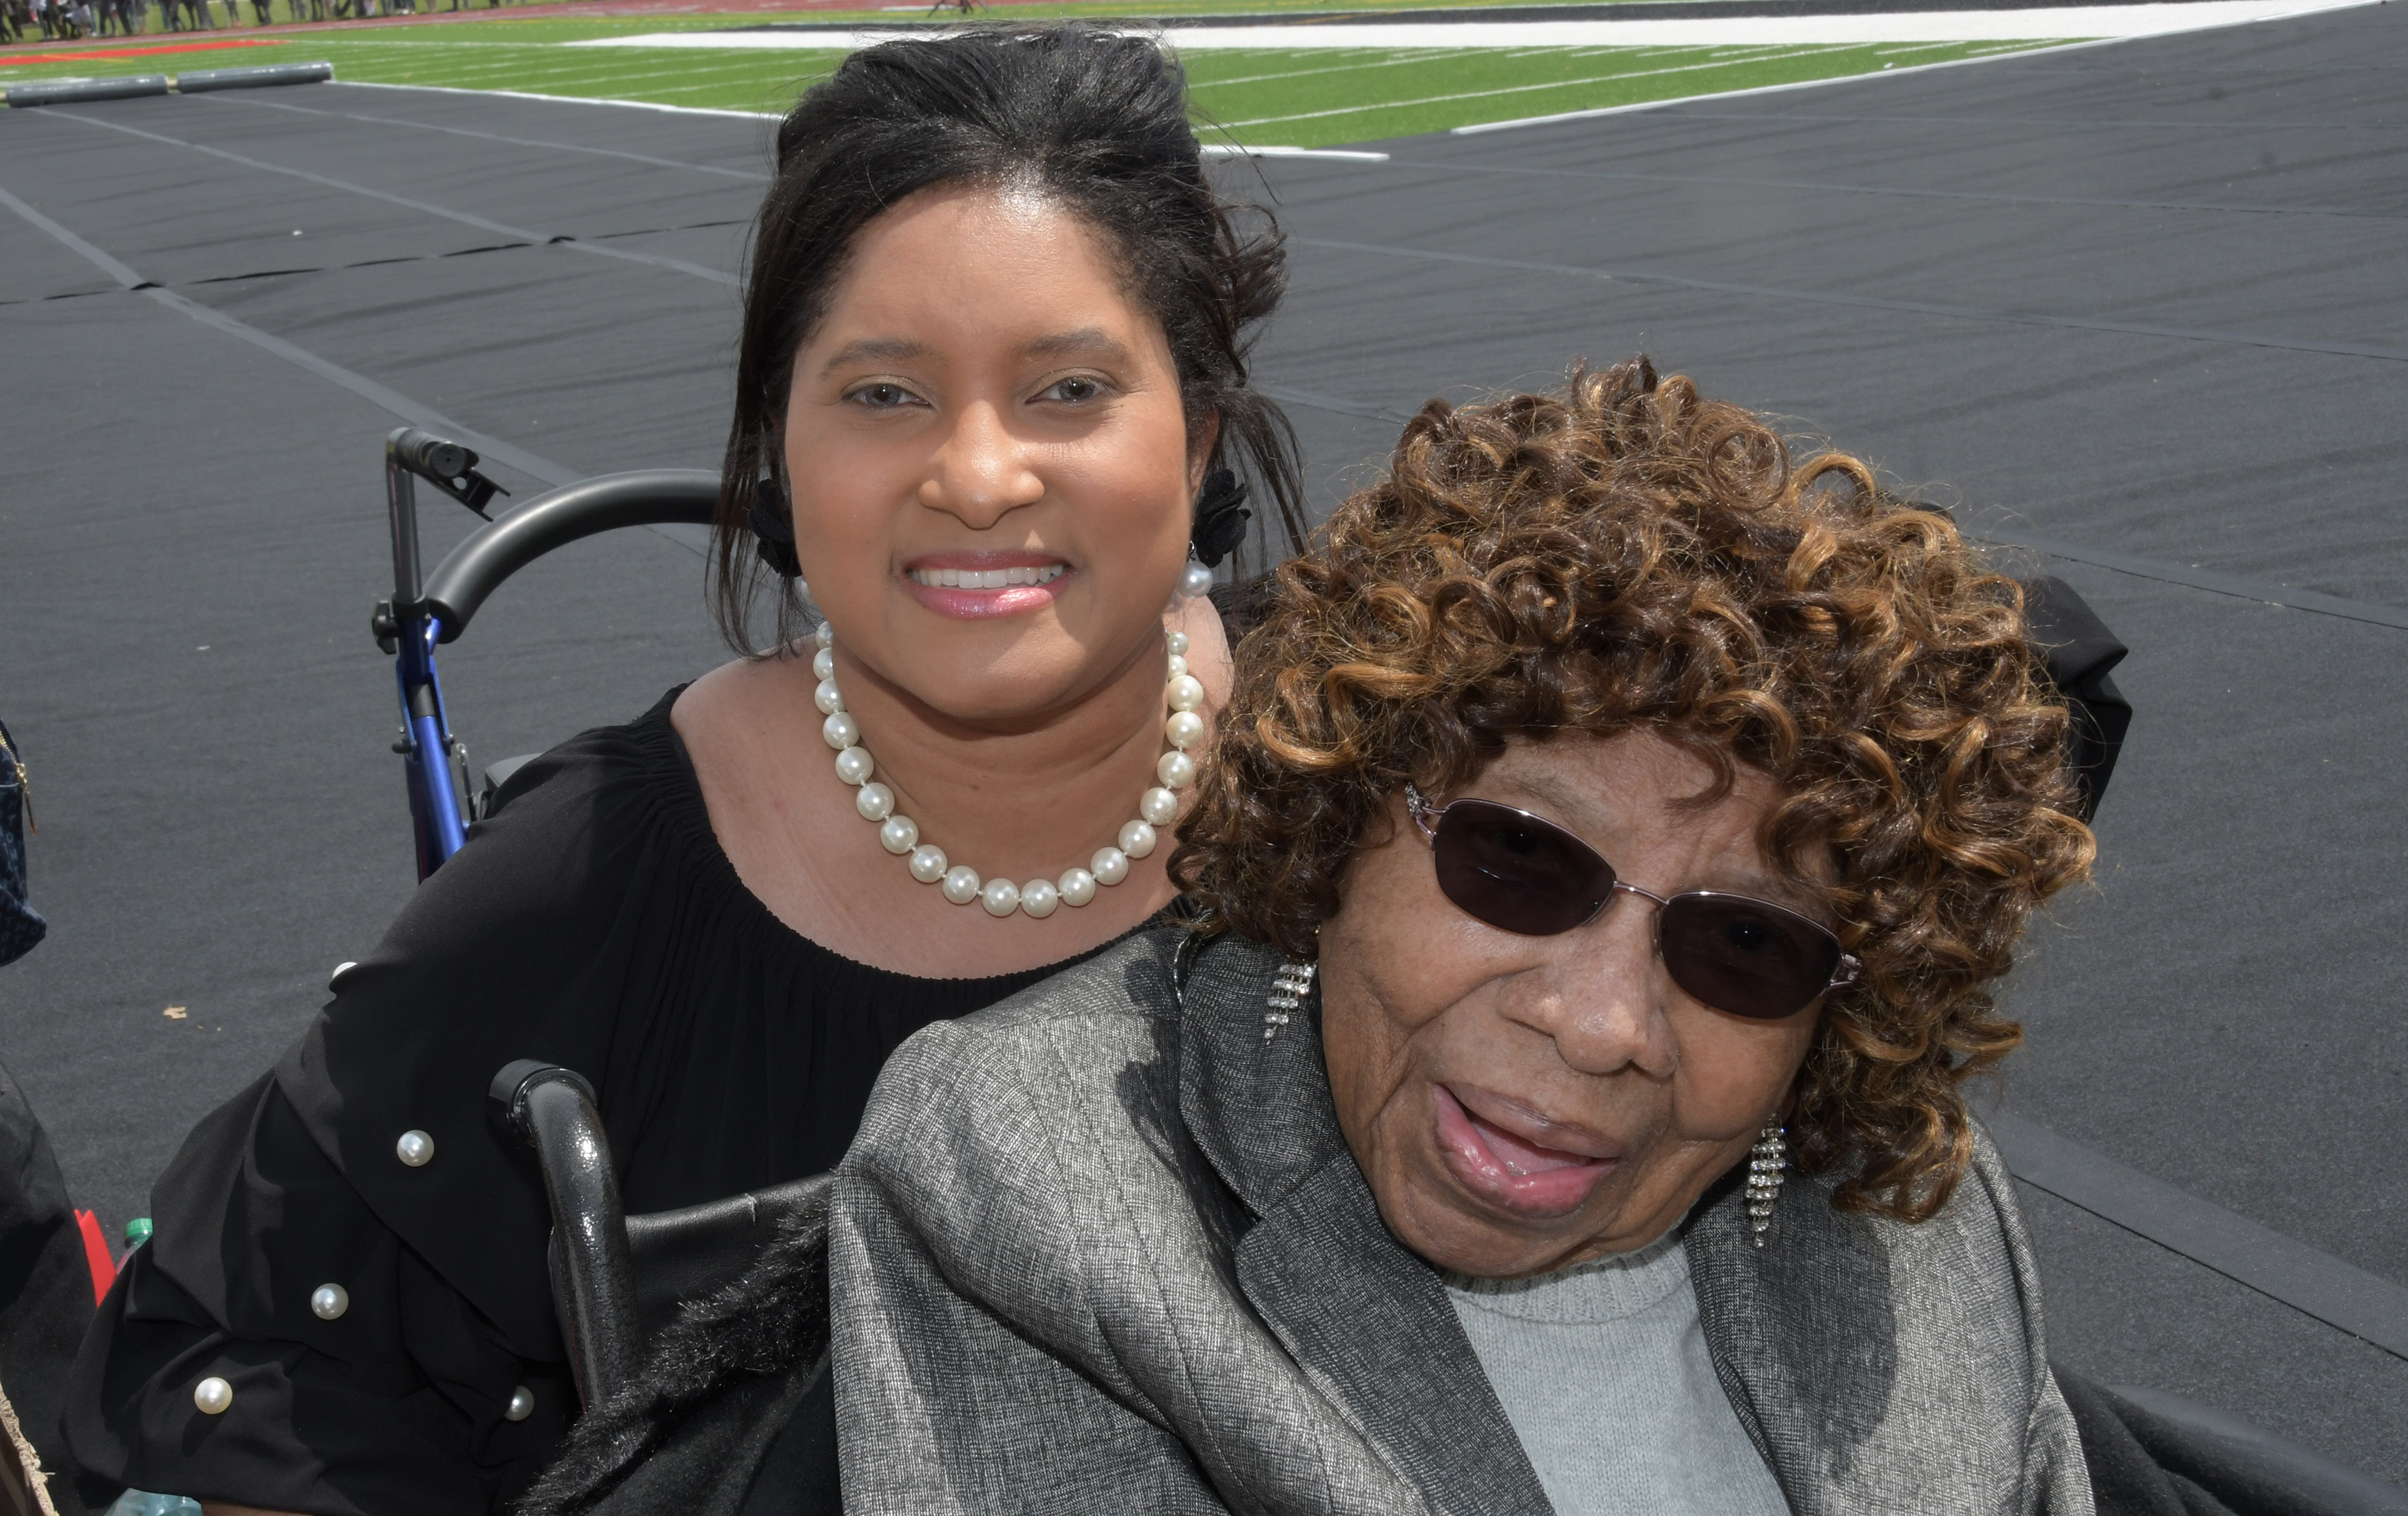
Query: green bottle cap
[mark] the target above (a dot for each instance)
(138, 1232)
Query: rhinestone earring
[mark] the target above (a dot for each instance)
(1289, 987)
(1767, 1163)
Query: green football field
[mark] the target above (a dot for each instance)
(1304, 98)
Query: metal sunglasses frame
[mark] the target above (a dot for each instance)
(1429, 817)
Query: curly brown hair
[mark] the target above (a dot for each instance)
(1628, 555)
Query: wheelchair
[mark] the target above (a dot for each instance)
(618, 1280)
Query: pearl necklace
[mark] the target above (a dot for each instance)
(960, 883)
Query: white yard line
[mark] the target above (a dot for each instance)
(1415, 57)
(1510, 89)
(2037, 24)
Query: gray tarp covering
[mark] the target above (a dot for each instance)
(2143, 303)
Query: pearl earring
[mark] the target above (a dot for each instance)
(1289, 987)
(1766, 1164)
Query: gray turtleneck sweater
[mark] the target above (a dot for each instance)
(1602, 1370)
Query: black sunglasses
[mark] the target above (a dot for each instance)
(1525, 876)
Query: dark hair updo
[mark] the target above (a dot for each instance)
(1096, 122)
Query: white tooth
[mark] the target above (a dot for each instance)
(1023, 577)
(992, 579)
(950, 578)
(1013, 577)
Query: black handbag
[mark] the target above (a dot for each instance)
(20, 926)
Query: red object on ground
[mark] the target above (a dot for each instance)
(82, 53)
(95, 1256)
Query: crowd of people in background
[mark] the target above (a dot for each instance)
(70, 21)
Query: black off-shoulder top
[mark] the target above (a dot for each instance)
(594, 922)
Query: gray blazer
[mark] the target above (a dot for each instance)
(1098, 1251)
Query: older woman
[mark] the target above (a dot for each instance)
(1607, 859)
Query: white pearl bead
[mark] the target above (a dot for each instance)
(1159, 806)
(874, 800)
(212, 1395)
(1137, 839)
(1176, 769)
(827, 698)
(329, 1301)
(855, 765)
(1177, 643)
(1178, 665)
(823, 662)
(1197, 581)
(928, 863)
(1184, 730)
(1078, 887)
(521, 1405)
(961, 883)
(840, 730)
(824, 635)
(899, 835)
(1038, 896)
(1000, 897)
(1186, 692)
(415, 1148)
(1110, 866)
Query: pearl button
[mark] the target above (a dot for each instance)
(1197, 581)
(1186, 692)
(1184, 730)
(1177, 643)
(337, 977)
(1038, 896)
(1078, 887)
(826, 698)
(961, 883)
(1177, 771)
(1137, 839)
(841, 730)
(874, 800)
(854, 766)
(823, 662)
(329, 1301)
(1110, 866)
(212, 1395)
(415, 1148)
(1159, 806)
(1000, 897)
(521, 1405)
(900, 835)
(1178, 666)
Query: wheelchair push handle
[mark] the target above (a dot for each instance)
(557, 518)
(449, 467)
(552, 1108)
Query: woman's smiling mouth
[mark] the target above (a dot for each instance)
(1507, 1168)
(975, 585)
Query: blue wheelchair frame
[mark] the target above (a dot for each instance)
(430, 608)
